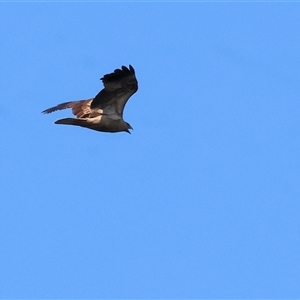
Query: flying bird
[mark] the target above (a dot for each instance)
(105, 111)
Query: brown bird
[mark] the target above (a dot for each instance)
(105, 111)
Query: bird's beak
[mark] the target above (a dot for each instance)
(129, 127)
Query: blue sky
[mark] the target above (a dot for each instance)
(202, 200)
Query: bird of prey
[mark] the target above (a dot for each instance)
(105, 111)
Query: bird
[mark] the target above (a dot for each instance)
(104, 112)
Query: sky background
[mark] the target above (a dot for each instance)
(202, 200)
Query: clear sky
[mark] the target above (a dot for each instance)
(202, 200)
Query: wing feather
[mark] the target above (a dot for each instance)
(80, 109)
(119, 86)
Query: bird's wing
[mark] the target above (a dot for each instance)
(58, 107)
(81, 108)
(119, 86)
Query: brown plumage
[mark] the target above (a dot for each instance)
(105, 111)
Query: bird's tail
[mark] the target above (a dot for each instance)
(72, 121)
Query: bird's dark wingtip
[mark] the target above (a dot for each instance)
(131, 69)
(118, 73)
(47, 111)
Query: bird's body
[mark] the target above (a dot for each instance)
(105, 111)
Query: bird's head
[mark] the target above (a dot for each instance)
(128, 126)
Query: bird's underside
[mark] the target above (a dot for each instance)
(105, 111)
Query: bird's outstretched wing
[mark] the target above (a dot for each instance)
(119, 86)
(80, 108)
